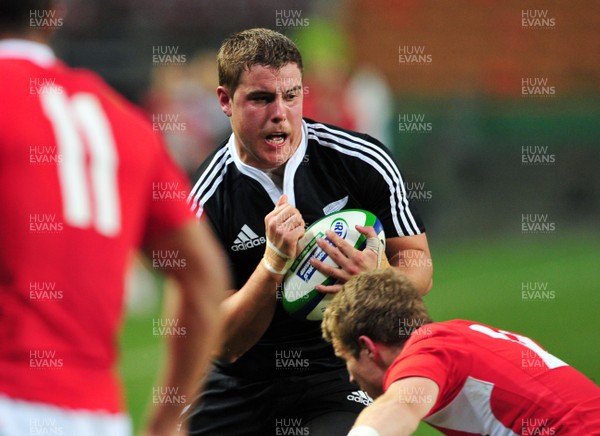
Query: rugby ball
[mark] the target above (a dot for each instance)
(300, 298)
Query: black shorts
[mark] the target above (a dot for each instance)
(321, 404)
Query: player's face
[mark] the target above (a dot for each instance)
(266, 114)
(363, 371)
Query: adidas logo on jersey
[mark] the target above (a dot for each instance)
(246, 239)
(360, 397)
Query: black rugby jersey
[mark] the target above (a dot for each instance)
(333, 169)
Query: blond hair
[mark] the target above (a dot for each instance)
(381, 304)
(242, 50)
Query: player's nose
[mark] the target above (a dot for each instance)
(278, 110)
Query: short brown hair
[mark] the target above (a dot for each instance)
(382, 304)
(258, 46)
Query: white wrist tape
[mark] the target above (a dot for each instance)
(363, 430)
(282, 271)
(276, 250)
(374, 244)
(275, 261)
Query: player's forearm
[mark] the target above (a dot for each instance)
(248, 313)
(387, 418)
(200, 288)
(417, 266)
(188, 360)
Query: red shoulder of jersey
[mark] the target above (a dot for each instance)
(433, 352)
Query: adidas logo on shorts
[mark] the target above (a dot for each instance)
(360, 397)
(246, 239)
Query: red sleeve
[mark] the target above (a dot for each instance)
(169, 188)
(432, 358)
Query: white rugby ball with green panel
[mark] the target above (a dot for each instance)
(300, 298)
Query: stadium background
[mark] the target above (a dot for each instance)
(492, 109)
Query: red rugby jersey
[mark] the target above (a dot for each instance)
(494, 382)
(84, 180)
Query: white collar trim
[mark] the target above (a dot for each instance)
(288, 176)
(35, 52)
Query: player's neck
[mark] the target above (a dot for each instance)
(276, 174)
(389, 354)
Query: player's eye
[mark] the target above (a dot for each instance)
(261, 98)
(291, 95)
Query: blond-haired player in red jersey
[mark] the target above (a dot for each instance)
(462, 377)
(84, 181)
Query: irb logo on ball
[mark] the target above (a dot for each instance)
(340, 227)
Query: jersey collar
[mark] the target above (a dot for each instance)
(288, 176)
(36, 52)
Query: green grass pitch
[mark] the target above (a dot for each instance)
(478, 280)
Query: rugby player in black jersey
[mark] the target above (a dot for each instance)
(274, 175)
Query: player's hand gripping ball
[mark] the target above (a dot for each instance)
(300, 298)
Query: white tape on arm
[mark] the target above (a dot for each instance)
(276, 261)
(276, 250)
(363, 430)
(375, 245)
(282, 271)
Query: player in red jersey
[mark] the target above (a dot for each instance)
(461, 377)
(84, 181)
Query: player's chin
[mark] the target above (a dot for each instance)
(274, 157)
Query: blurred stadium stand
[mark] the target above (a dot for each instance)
(470, 93)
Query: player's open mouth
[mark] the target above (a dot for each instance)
(276, 139)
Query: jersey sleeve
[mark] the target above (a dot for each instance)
(446, 366)
(384, 189)
(168, 188)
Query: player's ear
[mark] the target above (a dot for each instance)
(225, 100)
(371, 348)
